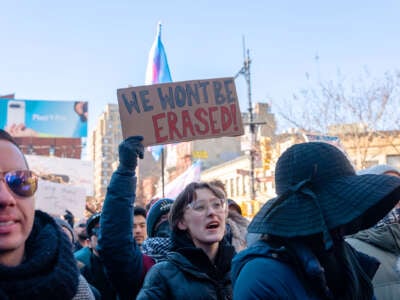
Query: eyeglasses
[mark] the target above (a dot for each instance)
(202, 206)
(23, 183)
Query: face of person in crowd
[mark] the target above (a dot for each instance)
(94, 239)
(162, 228)
(139, 229)
(16, 212)
(392, 173)
(81, 233)
(80, 228)
(81, 108)
(204, 219)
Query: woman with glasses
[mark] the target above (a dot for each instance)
(36, 260)
(200, 261)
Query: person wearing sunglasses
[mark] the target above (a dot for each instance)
(199, 263)
(36, 259)
(80, 230)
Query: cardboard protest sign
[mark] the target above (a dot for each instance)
(180, 111)
(55, 198)
(56, 167)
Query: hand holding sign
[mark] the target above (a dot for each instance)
(129, 150)
(181, 111)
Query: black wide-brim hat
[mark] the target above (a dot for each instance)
(318, 190)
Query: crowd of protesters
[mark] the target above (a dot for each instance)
(330, 233)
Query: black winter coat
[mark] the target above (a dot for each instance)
(187, 273)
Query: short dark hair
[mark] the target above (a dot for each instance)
(139, 211)
(4, 135)
(188, 195)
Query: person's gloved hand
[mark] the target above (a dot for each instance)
(129, 150)
(69, 217)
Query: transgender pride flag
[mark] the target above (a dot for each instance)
(157, 65)
(157, 72)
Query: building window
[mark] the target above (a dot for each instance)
(226, 186)
(31, 149)
(244, 184)
(231, 188)
(52, 150)
(237, 186)
(370, 163)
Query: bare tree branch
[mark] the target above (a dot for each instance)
(357, 110)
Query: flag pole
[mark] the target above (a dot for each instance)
(162, 172)
(157, 71)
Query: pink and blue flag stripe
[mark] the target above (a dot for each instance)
(157, 72)
(157, 65)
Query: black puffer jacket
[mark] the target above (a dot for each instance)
(187, 273)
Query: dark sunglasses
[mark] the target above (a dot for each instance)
(22, 182)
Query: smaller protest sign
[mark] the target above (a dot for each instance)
(330, 139)
(180, 111)
(55, 198)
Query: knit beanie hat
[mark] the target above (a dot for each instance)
(157, 210)
(233, 204)
(65, 224)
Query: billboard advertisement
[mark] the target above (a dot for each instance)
(43, 118)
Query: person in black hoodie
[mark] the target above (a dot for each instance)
(36, 260)
(198, 265)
